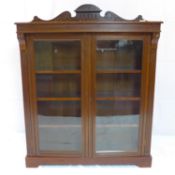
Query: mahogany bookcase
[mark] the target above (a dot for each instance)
(88, 85)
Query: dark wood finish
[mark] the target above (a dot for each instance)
(87, 27)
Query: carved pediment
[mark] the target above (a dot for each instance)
(86, 12)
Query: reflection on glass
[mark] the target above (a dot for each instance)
(57, 55)
(58, 85)
(118, 85)
(119, 54)
(59, 126)
(117, 121)
(117, 126)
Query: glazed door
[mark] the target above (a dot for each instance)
(59, 94)
(118, 99)
(88, 95)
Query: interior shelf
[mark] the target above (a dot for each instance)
(78, 98)
(101, 121)
(118, 71)
(78, 126)
(58, 126)
(118, 98)
(58, 72)
(58, 99)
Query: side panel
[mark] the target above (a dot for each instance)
(151, 55)
(27, 88)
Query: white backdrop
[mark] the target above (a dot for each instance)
(11, 104)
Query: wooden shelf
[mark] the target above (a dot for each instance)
(98, 126)
(59, 126)
(118, 71)
(78, 98)
(58, 99)
(78, 71)
(58, 72)
(117, 125)
(118, 98)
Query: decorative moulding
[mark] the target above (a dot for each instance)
(87, 12)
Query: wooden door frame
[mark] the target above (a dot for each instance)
(33, 135)
(144, 89)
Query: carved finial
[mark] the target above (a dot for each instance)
(139, 18)
(36, 19)
(87, 11)
(88, 8)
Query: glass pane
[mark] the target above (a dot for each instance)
(119, 54)
(117, 126)
(57, 55)
(58, 85)
(59, 126)
(118, 85)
